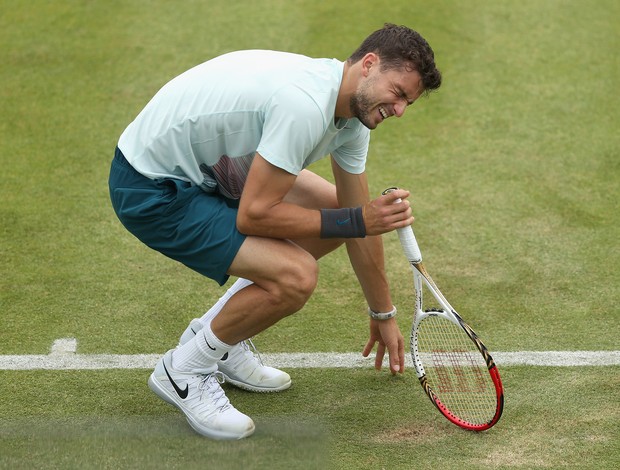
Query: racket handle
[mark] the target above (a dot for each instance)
(407, 238)
(409, 244)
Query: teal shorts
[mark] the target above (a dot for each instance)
(177, 219)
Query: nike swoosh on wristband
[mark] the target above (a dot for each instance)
(342, 222)
(181, 393)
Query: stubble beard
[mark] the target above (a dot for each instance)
(361, 105)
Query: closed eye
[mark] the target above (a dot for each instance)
(402, 95)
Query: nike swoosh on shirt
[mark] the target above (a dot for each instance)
(181, 393)
(342, 222)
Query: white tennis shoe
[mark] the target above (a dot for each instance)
(201, 398)
(242, 368)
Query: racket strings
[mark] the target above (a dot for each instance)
(456, 370)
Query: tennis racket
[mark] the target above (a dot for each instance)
(453, 365)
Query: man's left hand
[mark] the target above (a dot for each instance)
(388, 335)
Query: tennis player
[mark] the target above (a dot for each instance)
(212, 173)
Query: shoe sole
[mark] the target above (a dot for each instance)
(254, 388)
(168, 397)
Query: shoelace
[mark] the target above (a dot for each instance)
(211, 385)
(253, 351)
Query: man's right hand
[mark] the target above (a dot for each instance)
(384, 214)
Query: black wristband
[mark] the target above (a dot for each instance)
(343, 223)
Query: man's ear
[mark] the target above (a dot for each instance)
(369, 61)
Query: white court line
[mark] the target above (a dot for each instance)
(63, 356)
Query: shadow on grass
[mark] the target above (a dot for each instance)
(158, 442)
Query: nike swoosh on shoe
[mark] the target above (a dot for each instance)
(182, 393)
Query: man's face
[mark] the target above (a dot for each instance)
(382, 94)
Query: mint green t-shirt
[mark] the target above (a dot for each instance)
(206, 125)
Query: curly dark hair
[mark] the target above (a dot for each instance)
(400, 46)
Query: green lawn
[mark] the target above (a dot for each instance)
(514, 169)
(345, 419)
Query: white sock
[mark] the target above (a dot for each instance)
(217, 307)
(201, 353)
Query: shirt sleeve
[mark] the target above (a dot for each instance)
(351, 155)
(293, 126)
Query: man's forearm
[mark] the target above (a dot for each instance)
(367, 259)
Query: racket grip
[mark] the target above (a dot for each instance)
(407, 238)
(409, 244)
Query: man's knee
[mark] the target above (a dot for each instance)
(297, 283)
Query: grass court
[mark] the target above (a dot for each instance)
(514, 167)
